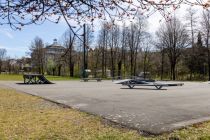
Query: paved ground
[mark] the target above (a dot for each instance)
(146, 109)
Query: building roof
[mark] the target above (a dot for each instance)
(55, 45)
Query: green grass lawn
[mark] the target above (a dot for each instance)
(24, 116)
(11, 77)
(16, 77)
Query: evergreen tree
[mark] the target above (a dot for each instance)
(199, 41)
(200, 57)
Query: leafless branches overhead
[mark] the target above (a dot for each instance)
(18, 13)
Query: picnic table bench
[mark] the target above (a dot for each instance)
(87, 79)
(35, 79)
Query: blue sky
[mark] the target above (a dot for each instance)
(17, 42)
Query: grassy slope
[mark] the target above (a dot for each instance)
(27, 117)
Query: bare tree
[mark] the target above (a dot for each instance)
(69, 42)
(191, 19)
(173, 35)
(160, 46)
(206, 31)
(38, 54)
(113, 44)
(2, 57)
(103, 44)
(123, 43)
(88, 41)
(134, 38)
(146, 51)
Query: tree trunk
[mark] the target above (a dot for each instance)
(103, 71)
(71, 69)
(208, 51)
(135, 63)
(59, 70)
(105, 63)
(96, 65)
(112, 63)
(208, 64)
(162, 64)
(53, 71)
(173, 71)
(145, 57)
(0, 66)
(131, 61)
(119, 68)
(40, 70)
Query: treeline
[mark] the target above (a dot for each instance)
(10, 65)
(178, 51)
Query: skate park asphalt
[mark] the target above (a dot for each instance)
(145, 109)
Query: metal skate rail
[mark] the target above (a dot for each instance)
(156, 85)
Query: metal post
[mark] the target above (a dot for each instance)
(84, 52)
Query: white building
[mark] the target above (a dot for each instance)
(54, 51)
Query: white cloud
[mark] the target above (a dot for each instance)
(15, 52)
(2, 47)
(16, 49)
(7, 34)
